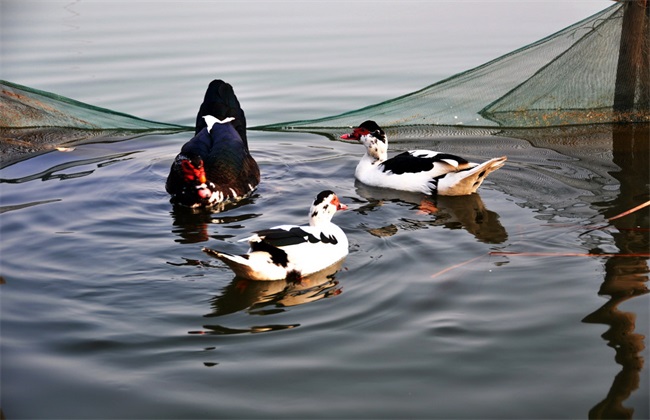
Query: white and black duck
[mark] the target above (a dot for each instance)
(289, 252)
(215, 166)
(421, 171)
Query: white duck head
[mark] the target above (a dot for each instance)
(324, 207)
(373, 137)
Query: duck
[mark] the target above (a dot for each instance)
(290, 252)
(215, 166)
(421, 171)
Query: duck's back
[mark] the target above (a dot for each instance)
(228, 164)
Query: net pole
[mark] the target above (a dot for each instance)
(634, 39)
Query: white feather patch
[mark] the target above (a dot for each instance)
(253, 238)
(210, 121)
(452, 162)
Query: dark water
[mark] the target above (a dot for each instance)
(519, 302)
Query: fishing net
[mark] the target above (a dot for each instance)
(25, 107)
(34, 121)
(594, 71)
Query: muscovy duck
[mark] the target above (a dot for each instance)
(289, 252)
(421, 171)
(215, 166)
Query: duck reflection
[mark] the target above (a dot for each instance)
(270, 297)
(191, 224)
(451, 212)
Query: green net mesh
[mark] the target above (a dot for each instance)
(594, 71)
(34, 121)
(25, 107)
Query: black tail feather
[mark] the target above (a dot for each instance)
(221, 102)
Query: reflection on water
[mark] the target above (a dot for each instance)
(625, 277)
(553, 186)
(459, 212)
(616, 154)
(268, 298)
(191, 224)
(20, 144)
(583, 163)
(4, 209)
(53, 172)
(552, 176)
(221, 330)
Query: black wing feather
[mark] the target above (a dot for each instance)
(282, 237)
(278, 256)
(408, 163)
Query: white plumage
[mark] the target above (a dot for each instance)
(421, 171)
(289, 251)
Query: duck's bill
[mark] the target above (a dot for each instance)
(349, 136)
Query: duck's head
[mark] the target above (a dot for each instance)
(371, 136)
(323, 208)
(195, 190)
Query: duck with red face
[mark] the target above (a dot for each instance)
(215, 166)
(195, 189)
(420, 171)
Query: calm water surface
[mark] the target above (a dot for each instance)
(488, 306)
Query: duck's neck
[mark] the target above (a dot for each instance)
(320, 222)
(373, 159)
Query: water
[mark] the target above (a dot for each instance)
(111, 310)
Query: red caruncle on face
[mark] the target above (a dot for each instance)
(191, 173)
